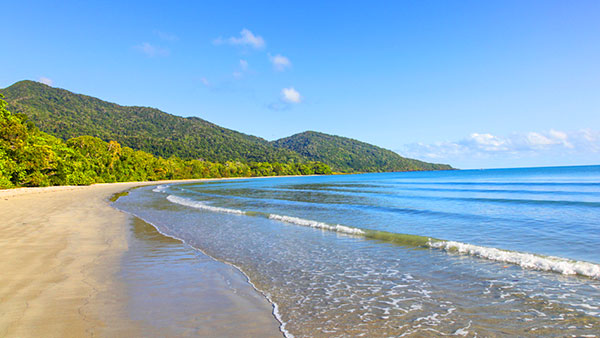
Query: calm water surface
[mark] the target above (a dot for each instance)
(304, 243)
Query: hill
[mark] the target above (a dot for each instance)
(66, 115)
(348, 155)
(29, 157)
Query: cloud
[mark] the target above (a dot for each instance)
(238, 74)
(246, 38)
(46, 81)
(290, 95)
(205, 81)
(517, 145)
(280, 62)
(166, 36)
(488, 142)
(151, 50)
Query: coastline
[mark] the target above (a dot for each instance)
(64, 271)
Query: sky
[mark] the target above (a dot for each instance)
(476, 84)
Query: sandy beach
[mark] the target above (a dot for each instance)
(74, 266)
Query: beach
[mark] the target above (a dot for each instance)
(74, 266)
(292, 256)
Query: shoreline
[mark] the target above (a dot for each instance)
(247, 279)
(63, 249)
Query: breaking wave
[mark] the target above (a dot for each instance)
(160, 188)
(525, 260)
(202, 205)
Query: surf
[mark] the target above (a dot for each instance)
(525, 260)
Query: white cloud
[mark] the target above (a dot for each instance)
(487, 142)
(151, 50)
(237, 75)
(552, 143)
(280, 62)
(561, 137)
(243, 64)
(46, 81)
(538, 140)
(205, 81)
(290, 95)
(246, 38)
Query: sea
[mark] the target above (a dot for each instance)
(473, 253)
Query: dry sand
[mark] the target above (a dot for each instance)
(61, 274)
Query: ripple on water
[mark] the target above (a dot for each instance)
(328, 284)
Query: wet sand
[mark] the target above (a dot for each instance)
(73, 266)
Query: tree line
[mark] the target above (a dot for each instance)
(30, 157)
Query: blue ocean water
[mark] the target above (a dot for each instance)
(502, 252)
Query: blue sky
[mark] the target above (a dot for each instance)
(476, 84)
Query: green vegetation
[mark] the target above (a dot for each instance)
(347, 155)
(30, 157)
(66, 115)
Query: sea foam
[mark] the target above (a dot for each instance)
(202, 205)
(318, 225)
(160, 188)
(526, 260)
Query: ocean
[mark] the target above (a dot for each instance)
(497, 252)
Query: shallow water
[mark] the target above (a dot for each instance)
(173, 290)
(340, 283)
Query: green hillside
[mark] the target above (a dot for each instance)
(347, 155)
(66, 115)
(29, 157)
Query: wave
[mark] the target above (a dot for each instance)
(160, 188)
(202, 205)
(320, 225)
(525, 260)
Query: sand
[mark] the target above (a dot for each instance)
(73, 266)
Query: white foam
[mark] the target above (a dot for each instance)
(316, 224)
(526, 260)
(463, 331)
(160, 188)
(202, 205)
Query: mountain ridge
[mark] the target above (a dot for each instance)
(65, 114)
(349, 155)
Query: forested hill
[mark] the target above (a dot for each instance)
(31, 158)
(66, 115)
(347, 155)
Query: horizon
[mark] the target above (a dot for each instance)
(509, 85)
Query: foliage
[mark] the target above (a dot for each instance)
(66, 115)
(348, 155)
(30, 157)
